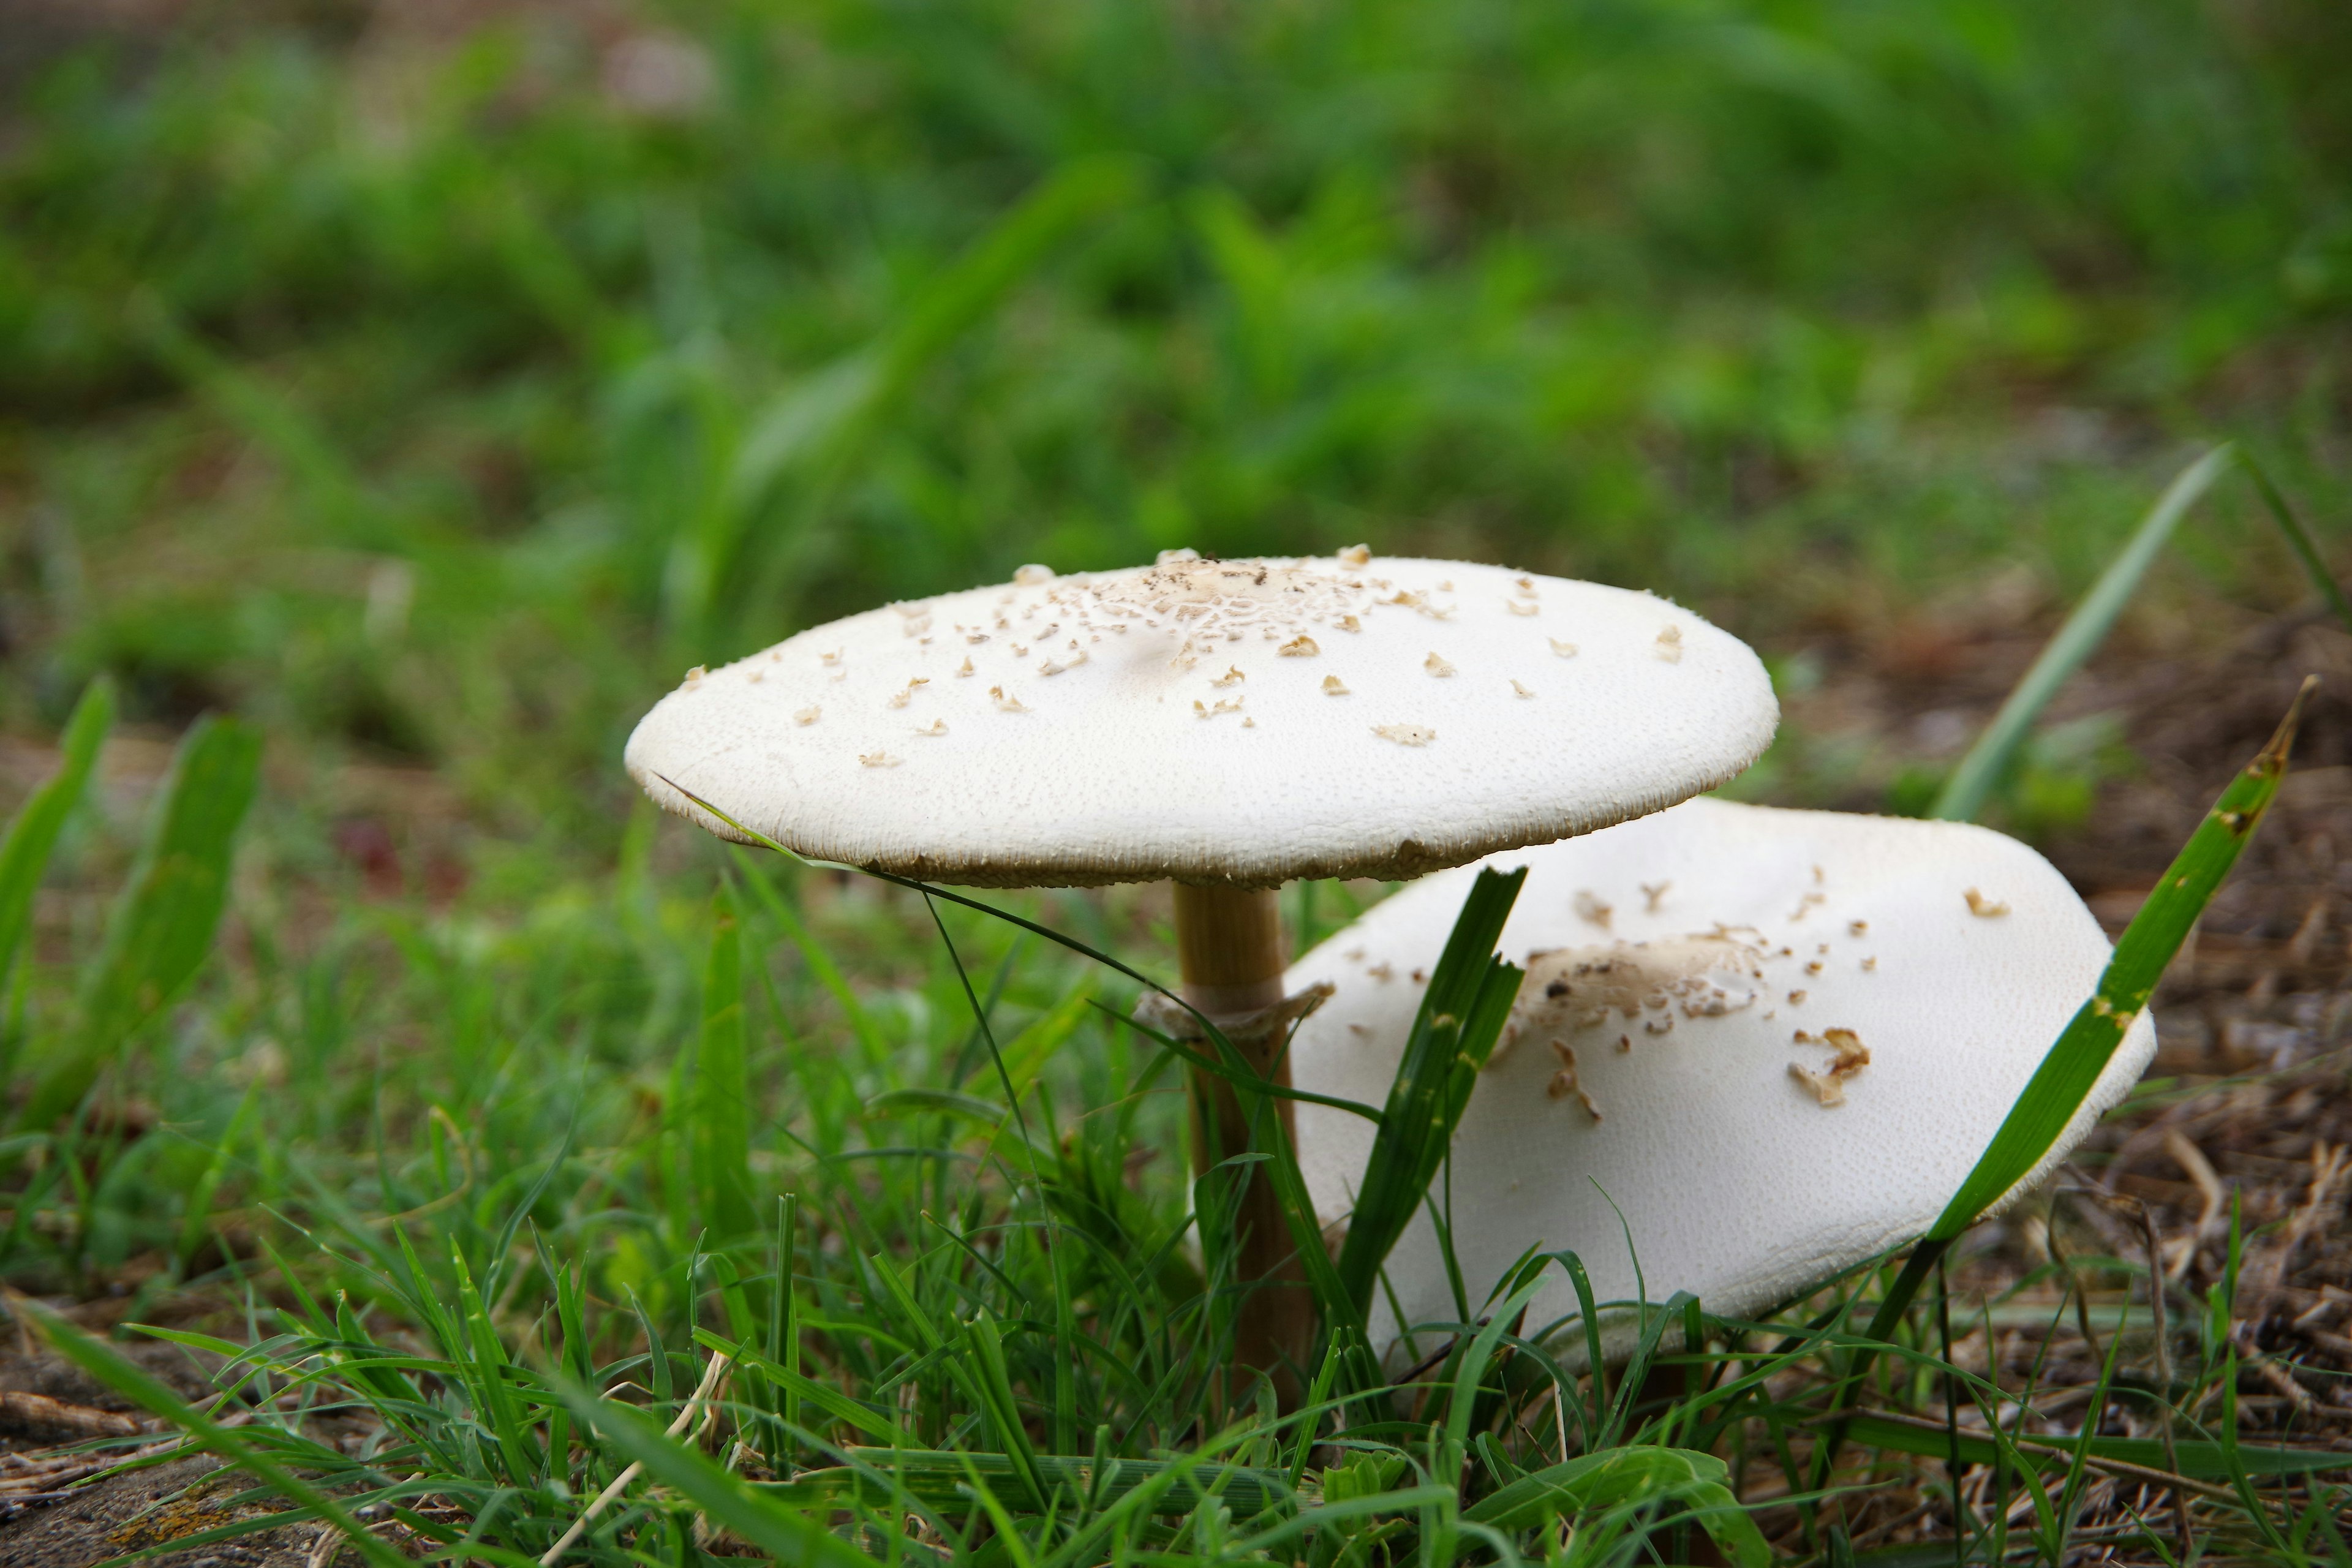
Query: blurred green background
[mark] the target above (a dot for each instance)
(434, 382)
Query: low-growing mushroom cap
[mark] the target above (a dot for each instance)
(1775, 1041)
(1238, 721)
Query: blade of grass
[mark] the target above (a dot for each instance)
(485, 1367)
(720, 1133)
(25, 853)
(163, 927)
(1964, 794)
(2146, 947)
(2297, 539)
(2198, 1460)
(1462, 1015)
(843, 1409)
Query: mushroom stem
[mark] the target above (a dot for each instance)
(1229, 946)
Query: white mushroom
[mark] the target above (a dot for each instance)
(1116, 778)
(1751, 1158)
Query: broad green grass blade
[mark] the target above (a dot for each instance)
(1462, 1015)
(24, 852)
(2074, 1064)
(991, 1382)
(135, 1383)
(836, 1404)
(1308, 1520)
(940, 1101)
(1027, 1053)
(721, 1088)
(1971, 784)
(785, 1534)
(162, 928)
(482, 1360)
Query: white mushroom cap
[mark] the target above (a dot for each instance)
(1237, 722)
(1689, 961)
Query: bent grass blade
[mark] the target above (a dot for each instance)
(1631, 1476)
(2298, 539)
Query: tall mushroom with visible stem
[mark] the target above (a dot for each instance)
(1227, 726)
(1763, 1044)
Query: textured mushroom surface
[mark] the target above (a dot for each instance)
(1775, 1040)
(1241, 721)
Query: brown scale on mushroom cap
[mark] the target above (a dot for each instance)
(1569, 990)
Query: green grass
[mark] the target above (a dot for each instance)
(429, 409)
(963, 1326)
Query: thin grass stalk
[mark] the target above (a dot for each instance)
(1965, 793)
(2298, 539)
(714, 1377)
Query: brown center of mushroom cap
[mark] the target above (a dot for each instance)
(1211, 595)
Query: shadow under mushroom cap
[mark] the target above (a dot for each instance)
(1244, 722)
(1775, 1040)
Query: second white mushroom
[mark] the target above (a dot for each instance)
(1773, 1041)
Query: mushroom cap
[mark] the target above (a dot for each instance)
(1952, 954)
(1214, 721)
